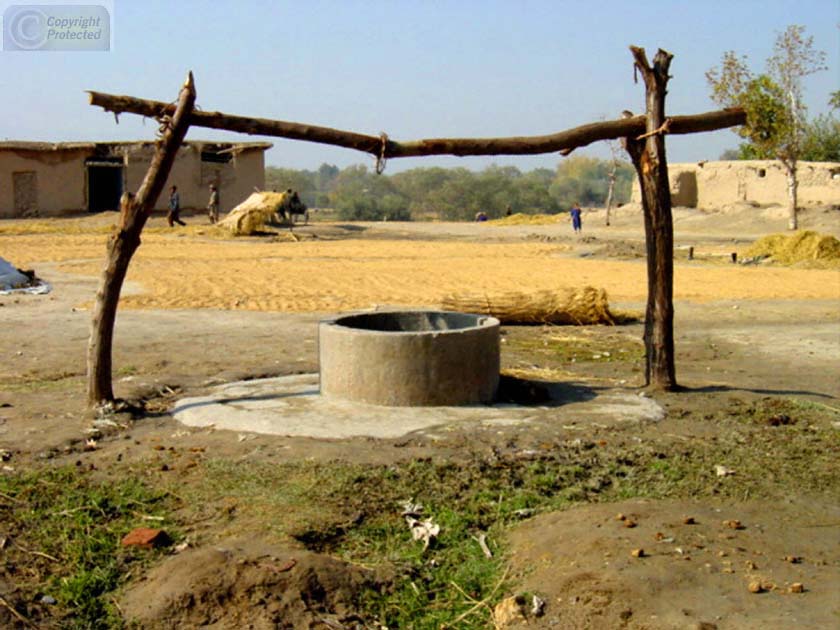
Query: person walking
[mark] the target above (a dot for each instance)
(213, 204)
(174, 214)
(577, 224)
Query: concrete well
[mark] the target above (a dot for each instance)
(410, 358)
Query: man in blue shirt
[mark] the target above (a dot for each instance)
(575, 212)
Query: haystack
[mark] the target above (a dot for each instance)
(584, 306)
(807, 247)
(528, 219)
(251, 216)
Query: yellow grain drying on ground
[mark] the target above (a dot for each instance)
(805, 248)
(84, 225)
(251, 215)
(528, 219)
(584, 306)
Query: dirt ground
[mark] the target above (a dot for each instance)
(200, 310)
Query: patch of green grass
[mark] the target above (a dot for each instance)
(567, 344)
(33, 381)
(65, 528)
(354, 511)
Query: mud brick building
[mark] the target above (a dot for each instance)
(52, 179)
(715, 185)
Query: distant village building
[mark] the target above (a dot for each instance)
(710, 185)
(49, 179)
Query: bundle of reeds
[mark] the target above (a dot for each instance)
(581, 306)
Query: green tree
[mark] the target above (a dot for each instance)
(531, 193)
(303, 182)
(359, 195)
(586, 180)
(776, 115)
(822, 140)
(421, 187)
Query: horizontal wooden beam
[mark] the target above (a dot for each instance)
(382, 147)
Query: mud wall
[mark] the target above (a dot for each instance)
(235, 179)
(710, 185)
(54, 182)
(58, 180)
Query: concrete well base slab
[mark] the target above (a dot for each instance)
(292, 406)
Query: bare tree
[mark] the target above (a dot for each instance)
(615, 161)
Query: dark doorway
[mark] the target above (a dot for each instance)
(104, 184)
(25, 186)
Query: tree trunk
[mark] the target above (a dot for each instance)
(134, 211)
(610, 192)
(649, 159)
(793, 190)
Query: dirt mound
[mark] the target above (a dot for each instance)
(807, 247)
(528, 219)
(581, 307)
(251, 215)
(679, 564)
(623, 250)
(246, 584)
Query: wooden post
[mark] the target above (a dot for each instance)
(648, 155)
(134, 211)
(610, 191)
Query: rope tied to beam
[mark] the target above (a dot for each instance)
(381, 160)
(164, 120)
(662, 129)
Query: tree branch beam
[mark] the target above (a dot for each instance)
(564, 142)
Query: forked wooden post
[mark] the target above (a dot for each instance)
(648, 155)
(134, 211)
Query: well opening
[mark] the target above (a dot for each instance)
(410, 358)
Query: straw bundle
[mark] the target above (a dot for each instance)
(807, 247)
(250, 216)
(584, 306)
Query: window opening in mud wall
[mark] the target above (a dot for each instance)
(25, 188)
(217, 157)
(105, 177)
(213, 161)
(762, 172)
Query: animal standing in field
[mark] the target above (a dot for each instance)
(292, 206)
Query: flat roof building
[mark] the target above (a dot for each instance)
(715, 185)
(51, 179)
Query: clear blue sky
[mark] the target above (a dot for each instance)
(412, 69)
